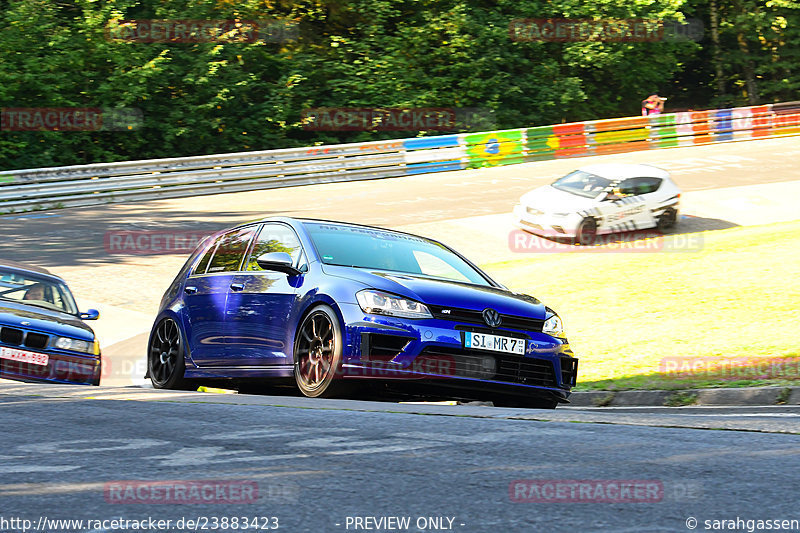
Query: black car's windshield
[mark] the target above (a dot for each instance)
(386, 250)
(30, 289)
(582, 183)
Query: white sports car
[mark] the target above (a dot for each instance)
(600, 199)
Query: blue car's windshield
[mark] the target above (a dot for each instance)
(36, 291)
(582, 183)
(386, 250)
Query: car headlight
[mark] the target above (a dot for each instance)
(382, 303)
(74, 345)
(553, 326)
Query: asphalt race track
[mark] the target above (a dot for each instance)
(317, 468)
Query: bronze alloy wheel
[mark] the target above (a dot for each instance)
(318, 354)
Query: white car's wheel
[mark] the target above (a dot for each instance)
(586, 232)
(667, 219)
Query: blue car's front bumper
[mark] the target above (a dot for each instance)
(62, 366)
(434, 350)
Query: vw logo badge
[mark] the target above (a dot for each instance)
(25, 323)
(492, 317)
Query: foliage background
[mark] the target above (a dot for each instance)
(202, 98)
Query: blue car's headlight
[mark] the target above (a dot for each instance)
(75, 345)
(382, 303)
(554, 327)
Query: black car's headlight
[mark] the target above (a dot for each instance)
(75, 345)
(382, 303)
(553, 325)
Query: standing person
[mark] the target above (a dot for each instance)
(653, 105)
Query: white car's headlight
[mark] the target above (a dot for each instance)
(382, 303)
(74, 345)
(554, 327)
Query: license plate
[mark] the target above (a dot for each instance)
(494, 343)
(24, 356)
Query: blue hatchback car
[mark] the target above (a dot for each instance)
(42, 334)
(333, 304)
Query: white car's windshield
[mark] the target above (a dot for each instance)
(582, 183)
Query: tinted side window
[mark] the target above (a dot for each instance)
(627, 187)
(274, 238)
(203, 264)
(647, 185)
(231, 250)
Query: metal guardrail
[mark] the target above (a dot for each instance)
(83, 185)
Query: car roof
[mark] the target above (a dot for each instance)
(622, 171)
(27, 268)
(325, 221)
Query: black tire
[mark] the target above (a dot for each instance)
(586, 233)
(667, 219)
(538, 403)
(318, 354)
(165, 356)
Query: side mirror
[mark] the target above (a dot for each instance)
(91, 314)
(279, 262)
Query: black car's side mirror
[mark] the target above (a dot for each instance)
(279, 262)
(90, 314)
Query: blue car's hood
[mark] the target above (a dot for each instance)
(443, 293)
(44, 320)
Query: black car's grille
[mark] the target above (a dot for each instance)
(472, 316)
(498, 367)
(569, 371)
(18, 337)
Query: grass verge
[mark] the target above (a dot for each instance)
(723, 316)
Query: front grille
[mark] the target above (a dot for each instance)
(527, 371)
(11, 336)
(18, 337)
(472, 316)
(569, 371)
(36, 340)
(462, 365)
(497, 367)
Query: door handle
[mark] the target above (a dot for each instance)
(237, 287)
(190, 290)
